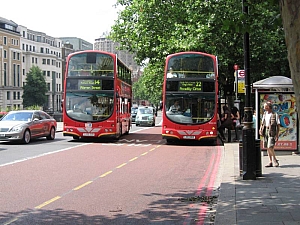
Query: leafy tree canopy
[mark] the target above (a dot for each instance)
(34, 91)
(153, 29)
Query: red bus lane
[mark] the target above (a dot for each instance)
(137, 180)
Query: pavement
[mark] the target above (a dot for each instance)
(273, 198)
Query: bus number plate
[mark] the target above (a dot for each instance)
(88, 134)
(189, 137)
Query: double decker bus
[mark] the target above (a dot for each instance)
(190, 97)
(97, 96)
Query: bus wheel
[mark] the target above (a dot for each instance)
(75, 137)
(170, 141)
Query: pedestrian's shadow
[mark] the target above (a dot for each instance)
(289, 166)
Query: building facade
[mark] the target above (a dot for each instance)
(10, 66)
(77, 43)
(44, 51)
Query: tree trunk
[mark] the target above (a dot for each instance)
(290, 13)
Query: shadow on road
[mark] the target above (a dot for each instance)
(172, 208)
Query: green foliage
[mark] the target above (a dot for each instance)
(153, 29)
(149, 86)
(35, 88)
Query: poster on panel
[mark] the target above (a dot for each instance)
(285, 106)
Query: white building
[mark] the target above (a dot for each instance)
(44, 51)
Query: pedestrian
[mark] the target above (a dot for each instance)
(254, 119)
(269, 129)
(226, 122)
(236, 121)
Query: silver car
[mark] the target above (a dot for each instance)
(24, 125)
(145, 116)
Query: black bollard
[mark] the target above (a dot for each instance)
(241, 157)
(249, 152)
(258, 158)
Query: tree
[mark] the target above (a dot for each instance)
(290, 13)
(153, 29)
(35, 88)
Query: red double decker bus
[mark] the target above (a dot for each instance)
(190, 97)
(97, 96)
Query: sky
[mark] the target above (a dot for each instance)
(87, 19)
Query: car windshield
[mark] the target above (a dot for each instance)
(145, 111)
(134, 110)
(19, 116)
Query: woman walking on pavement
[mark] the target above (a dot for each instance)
(269, 129)
(226, 122)
(236, 121)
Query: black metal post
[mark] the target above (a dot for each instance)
(249, 153)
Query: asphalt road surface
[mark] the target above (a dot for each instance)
(136, 180)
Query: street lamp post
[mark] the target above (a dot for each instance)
(249, 153)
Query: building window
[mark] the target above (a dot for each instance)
(5, 74)
(42, 50)
(48, 86)
(8, 95)
(5, 54)
(5, 40)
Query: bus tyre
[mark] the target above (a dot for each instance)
(75, 137)
(169, 141)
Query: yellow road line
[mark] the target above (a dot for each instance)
(121, 165)
(81, 186)
(47, 202)
(11, 221)
(103, 175)
(133, 159)
(145, 153)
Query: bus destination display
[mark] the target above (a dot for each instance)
(190, 86)
(89, 84)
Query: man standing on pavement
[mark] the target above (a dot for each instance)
(269, 129)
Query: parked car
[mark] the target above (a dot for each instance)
(133, 113)
(24, 125)
(145, 116)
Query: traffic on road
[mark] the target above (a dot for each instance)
(138, 179)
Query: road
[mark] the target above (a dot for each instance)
(137, 180)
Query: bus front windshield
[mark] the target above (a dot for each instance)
(89, 106)
(190, 108)
(91, 64)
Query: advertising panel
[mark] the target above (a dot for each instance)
(285, 106)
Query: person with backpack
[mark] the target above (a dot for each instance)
(269, 129)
